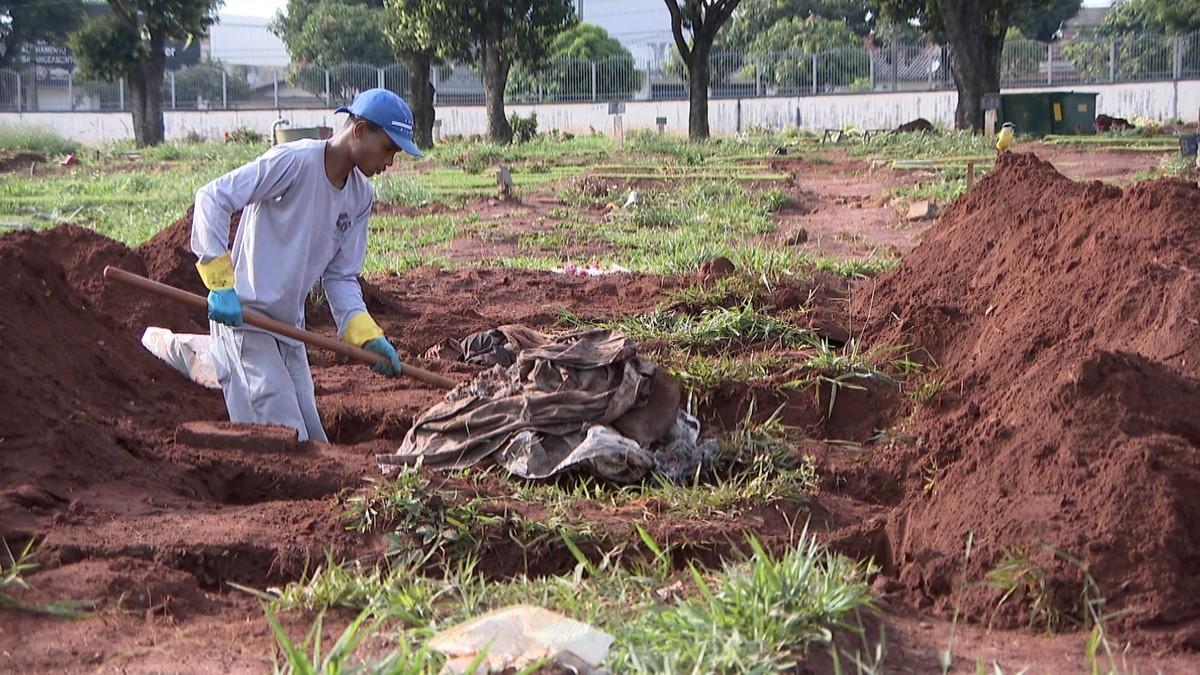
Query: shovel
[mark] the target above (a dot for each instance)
(266, 323)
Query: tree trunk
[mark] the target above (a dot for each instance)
(698, 94)
(145, 95)
(421, 96)
(495, 78)
(976, 58)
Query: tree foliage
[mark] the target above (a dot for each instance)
(331, 32)
(1045, 23)
(1135, 38)
(695, 25)
(131, 43)
(566, 73)
(422, 36)
(975, 31)
(502, 33)
(201, 85)
(753, 18)
(25, 22)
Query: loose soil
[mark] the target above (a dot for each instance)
(1059, 319)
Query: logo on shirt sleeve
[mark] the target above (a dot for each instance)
(343, 222)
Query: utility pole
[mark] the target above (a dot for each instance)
(579, 10)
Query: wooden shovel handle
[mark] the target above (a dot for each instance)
(267, 323)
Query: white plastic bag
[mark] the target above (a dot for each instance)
(519, 635)
(186, 352)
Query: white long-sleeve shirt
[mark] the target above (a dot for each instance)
(296, 228)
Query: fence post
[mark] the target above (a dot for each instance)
(121, 94)
(328, 100)
(593, 81)
(224, 91)
(871, 70)
(172, 90)
(1049, 63)
(71, 91)
(379, 77)
(814, 74)
(1112, 60)
(1177, 59)
(895, 68)
(758, 91)
(275, 88)
(433, 80)
(20, 95)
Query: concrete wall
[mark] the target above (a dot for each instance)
(1155, 100)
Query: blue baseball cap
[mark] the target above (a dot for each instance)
(389, 112)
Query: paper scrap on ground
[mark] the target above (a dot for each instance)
(515, 637)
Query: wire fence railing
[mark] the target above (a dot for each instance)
(900, 67)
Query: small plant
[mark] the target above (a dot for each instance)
(1018, 574)
(12, 575)
(758, 618)
(28, 138)
(307, 659)
(524, 128)
(927, 389)
(245, 135)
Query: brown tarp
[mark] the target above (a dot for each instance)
(584, 400)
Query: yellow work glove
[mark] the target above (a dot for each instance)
(362, 331)
(223, 304)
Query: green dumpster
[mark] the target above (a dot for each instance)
(1073, 113)
(1030, 113)
(1050, 112)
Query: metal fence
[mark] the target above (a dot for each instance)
(1081, 60)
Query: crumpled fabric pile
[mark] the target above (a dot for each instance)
(583, 401)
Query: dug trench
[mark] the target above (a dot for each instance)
(138, 496)
(1059, 348)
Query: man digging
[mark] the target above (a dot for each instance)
(305, 207)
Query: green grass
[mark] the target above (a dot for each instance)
(924, 146)
(712, 328)
(397, 243)
(757, 614)
(12, 578)
(1171, 165)
(131, 204)
(30, 138)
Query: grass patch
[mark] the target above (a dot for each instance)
(759, 614)
(1172, 165)
(399, 243)
(924, 146)
(714, 327)
(30, 138)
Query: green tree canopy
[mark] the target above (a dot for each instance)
(131, 43)
(791, 43)
(334, 32)
(1044, 23)
(755, 17)
(975, 31)
(502, 33)
(566, 73)
(24, 22)
(1135, 39)
(421, 36)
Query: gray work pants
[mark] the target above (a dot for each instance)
(265, 380)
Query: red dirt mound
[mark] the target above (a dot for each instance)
(79, 391)
(1063, 320)
(168, 255)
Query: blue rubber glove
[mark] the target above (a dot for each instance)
(224, 307)
(384, 348)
